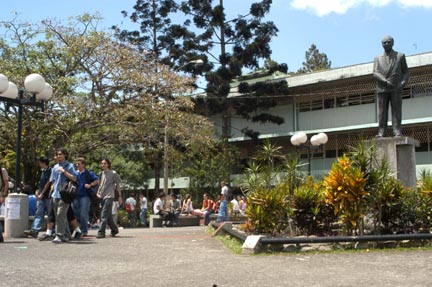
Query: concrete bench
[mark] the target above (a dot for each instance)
(232, 217)
(184, 220)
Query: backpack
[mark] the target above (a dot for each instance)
(128, 208)
(68, 191)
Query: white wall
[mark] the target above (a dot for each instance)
(285, 111)
(417, 108)
(337, 117)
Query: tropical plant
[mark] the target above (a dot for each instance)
(309, 210)
(292, 173)
(345, 191)
(267, 209)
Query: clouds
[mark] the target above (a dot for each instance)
(325, 7)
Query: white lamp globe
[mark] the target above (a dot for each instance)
(4, 83)
(323, 138)
(294, 139)
(46, 94)
(11, 92)
(315, 140)
(302, 137)
(34, 83)
(299, 138)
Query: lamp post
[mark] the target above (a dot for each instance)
(300, 139)
(34, 93)
(166, 163)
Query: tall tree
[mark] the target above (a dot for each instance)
(103, 92)
(226, 45)
(159, 37)
(314, 61)
(230, 44)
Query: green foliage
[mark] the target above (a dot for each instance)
(226, 46)
(310, 212)
(123, 218)
(104, 98)
(314, 61)
(345, 191)
(292, 174)
(267, 209)
(208, 166)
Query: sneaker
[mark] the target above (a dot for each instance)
(77, 235)
(114, 233)
(100, 236)
(31, 233)
(57, 240)
(44, 237)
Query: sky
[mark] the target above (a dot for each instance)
(348, 31)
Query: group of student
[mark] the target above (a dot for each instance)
(69, 219)
(171, 209)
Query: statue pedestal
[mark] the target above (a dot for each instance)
(399, 152)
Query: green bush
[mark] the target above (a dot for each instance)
(267, 210)
(310, 212)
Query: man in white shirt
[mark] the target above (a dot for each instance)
(223, 207)
(159, 209)
(143, 207)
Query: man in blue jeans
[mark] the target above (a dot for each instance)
(109, 184)
(43, 197)
(223, 207)
(81, 205)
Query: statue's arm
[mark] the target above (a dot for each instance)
(405, 73)
(377, 74)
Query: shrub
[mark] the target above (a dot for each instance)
(345, 192)
(310, 212)
(267, 209)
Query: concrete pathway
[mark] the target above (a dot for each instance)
(189, 256)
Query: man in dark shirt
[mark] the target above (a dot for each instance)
(42, 195)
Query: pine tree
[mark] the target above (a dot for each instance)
(227, 46)
(314, 61)
(231, 45)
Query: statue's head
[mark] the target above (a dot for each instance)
(387, 43)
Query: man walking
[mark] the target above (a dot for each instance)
(110, 181)
(223, 207)
(62, 171)
(81, 204)
(43, 197)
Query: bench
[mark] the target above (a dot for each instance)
(184, 220)
(235, 217)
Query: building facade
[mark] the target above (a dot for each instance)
(342, 103)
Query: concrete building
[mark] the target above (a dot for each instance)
(340, 102)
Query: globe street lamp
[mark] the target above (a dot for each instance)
(35, 92)
(300, 139)
(166, 163)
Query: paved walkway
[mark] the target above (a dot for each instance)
(189, 256)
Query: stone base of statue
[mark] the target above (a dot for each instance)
(399, 153)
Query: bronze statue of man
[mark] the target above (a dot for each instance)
(391, 74)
